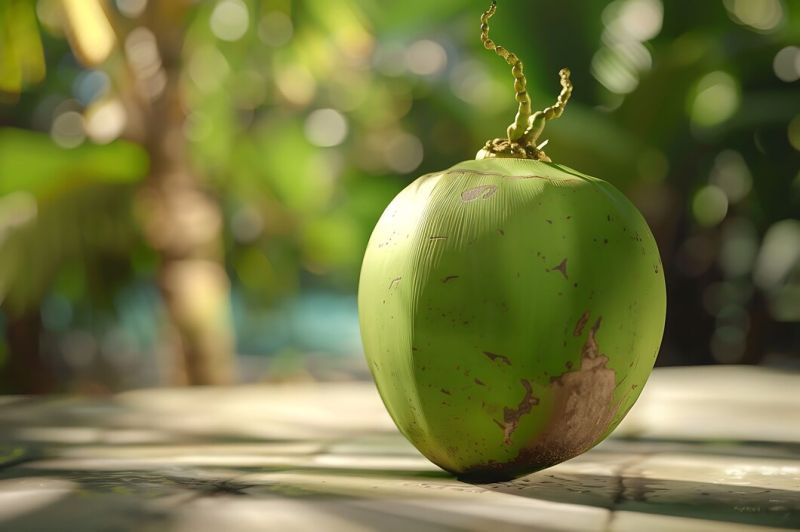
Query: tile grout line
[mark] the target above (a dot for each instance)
(619, 496)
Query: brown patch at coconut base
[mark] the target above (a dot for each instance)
(511, 416)
(583, 408)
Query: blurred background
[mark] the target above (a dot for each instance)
(187, 188)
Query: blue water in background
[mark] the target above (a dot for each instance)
(315, 333)
(320, 322)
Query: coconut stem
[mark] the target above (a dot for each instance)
(552, 112)
(526, 129)
(516, 129)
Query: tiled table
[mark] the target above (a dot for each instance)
(704, 449)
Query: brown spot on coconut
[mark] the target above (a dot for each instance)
(580, 324)
(480, 192)
(560, 267)
(511, 416)
(495, 357)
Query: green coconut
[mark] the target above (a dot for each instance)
(511, 308)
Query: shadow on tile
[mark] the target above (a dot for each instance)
(700, 500)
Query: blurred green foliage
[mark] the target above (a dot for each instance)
(30, 162)
(306, 117)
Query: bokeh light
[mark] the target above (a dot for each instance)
(207, 68)
(141, 49)
(759, 15)
(50, 15)
(142, 52)
(275, 29)
(404, 152)
(715, 99)
(296, 84)
(247, 224)
(731, 174)
(793, 132)
(16, 210)
(470, 81)
(67, 130)
(105, 120)
(787, 64)
(780, 252)
(623, 57)
(739, 247)
(90, 85)
(230, 20)
(326, 127)
(638, 20)
(389, 58)
(131, 8)
(709, 205)
(426, 58)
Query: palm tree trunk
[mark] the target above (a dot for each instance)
(25, 370)
(183, 222)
